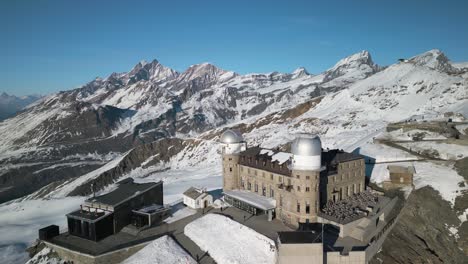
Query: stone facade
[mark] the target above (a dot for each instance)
(299, 194)
(348, 180)
(230, 171)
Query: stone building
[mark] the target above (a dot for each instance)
(290, 186)
(399, 176)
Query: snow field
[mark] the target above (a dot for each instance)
(163, 250)
(229, 242)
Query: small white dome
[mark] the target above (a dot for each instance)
(307, 145)
(231, 136)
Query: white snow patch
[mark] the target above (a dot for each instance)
(228, 241)
(180, 214)
(441, 178)
(163, 250)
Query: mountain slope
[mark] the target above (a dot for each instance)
(10, 104)
(153, 123)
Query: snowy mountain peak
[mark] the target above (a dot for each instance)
(299, 72)
(356, 59)
(359, 64)
(434, 59)
(205, 71)
(151, 71)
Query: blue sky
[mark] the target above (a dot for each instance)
(47, 46)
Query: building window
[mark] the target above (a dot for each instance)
(280, 179)
(248, 171)
(263, 174)
(307, 177)
(255, 172)
(271, 176)
(230, 158)
(281, 200)
(307, 189)
(307, 208)
(297, 176)
(264, 191)
(230, 169)
(272, 192)
(298, 188)
(298, 207)
(249, 186)
(256, 187)
(242, 168)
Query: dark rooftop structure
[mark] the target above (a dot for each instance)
(300, 237)
(137, 204)
(335, 156)
(126, 189)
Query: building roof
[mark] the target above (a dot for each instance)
(336, 156)
(300, 237)
(266, 159)
(194, 193)
(279, 162)
(401, 169)
(90, 216)
(125, 190)
(255, 200)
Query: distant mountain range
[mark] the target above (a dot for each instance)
(156, 123)
(152, 101)
(10, 104)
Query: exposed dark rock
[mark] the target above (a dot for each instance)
(421, 235)
(162, 150)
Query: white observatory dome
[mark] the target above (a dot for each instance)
(231, 137)
(307, 145)
(307, 152)
(232, 142)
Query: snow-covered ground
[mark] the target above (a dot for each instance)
(383, 153)
(230, 242)
(446, 151)
(180, 214)
(442, 178)
(20, 222)
(163, 250)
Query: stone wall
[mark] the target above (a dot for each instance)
(111, 257)
(300, 253)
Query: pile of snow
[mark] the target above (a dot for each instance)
(162, 250)
(230, 242)
(218, 203)
(281, 157)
